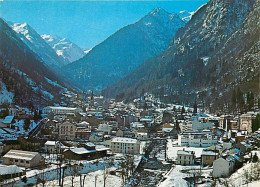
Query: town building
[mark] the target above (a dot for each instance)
(125, 145)
(8, 172)
(208, 157)
(197, 139)
(185, 157)
(53, 146)
(196, 125)
(67, 130)
(23, 158)
(60, 110)
(83, 153)
(223, 166)
(246, 122)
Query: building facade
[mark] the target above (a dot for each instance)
(125, 145)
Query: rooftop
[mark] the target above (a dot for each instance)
(18, 154)
(124, 140)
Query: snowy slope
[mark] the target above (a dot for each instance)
(35, 42)
(64, 48)
(24, 73)
(126, 49)
(5, 96)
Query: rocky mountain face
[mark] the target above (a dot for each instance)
(38, 45)
(125, 50)
(25, 78)
(64, 48)
(216, 52)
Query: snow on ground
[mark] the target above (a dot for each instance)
(5, 96)
(239, 177)
(88, 168)
(53, 82)
(98, 176)
(172, 149)
(142, 146)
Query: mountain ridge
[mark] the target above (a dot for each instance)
(124, 50)
(180, 70)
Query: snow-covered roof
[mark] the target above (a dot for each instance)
(18, 154)
(12, 169)
(60, 108)
(167, 129)
(181, 152)
(124, 140)
(209, 153)
(8, 119)
(51, 143)
(81, 150)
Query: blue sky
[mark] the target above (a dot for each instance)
(85, 23)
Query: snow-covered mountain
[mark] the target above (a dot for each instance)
(64, 48)
(24, 75)
(126, 49)
(185, 15)
(35, 42)
(215, 53)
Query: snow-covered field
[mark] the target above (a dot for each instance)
(172, 150)
(95, 178)
(90, 169)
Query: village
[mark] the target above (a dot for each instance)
(93, 141)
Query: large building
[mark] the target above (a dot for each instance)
(67, 130)
(246, 122)
(23, 158)
(60, 110)
(197, 139)
(125, 145)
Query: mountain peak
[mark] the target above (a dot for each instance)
(159, 11)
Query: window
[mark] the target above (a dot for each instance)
(27, 162)
(21, 161)
(16, 160)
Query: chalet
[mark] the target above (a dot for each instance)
(23, 158)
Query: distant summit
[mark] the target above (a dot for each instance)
(64, 48)
(125, 50)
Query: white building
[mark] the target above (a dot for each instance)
(67, 130)
(105, 128)
(125, 145)
(141, 135)
(53, 146)
(185, 157)
(197, 139)
(223, 167)
(23, 158)
(61, 110)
